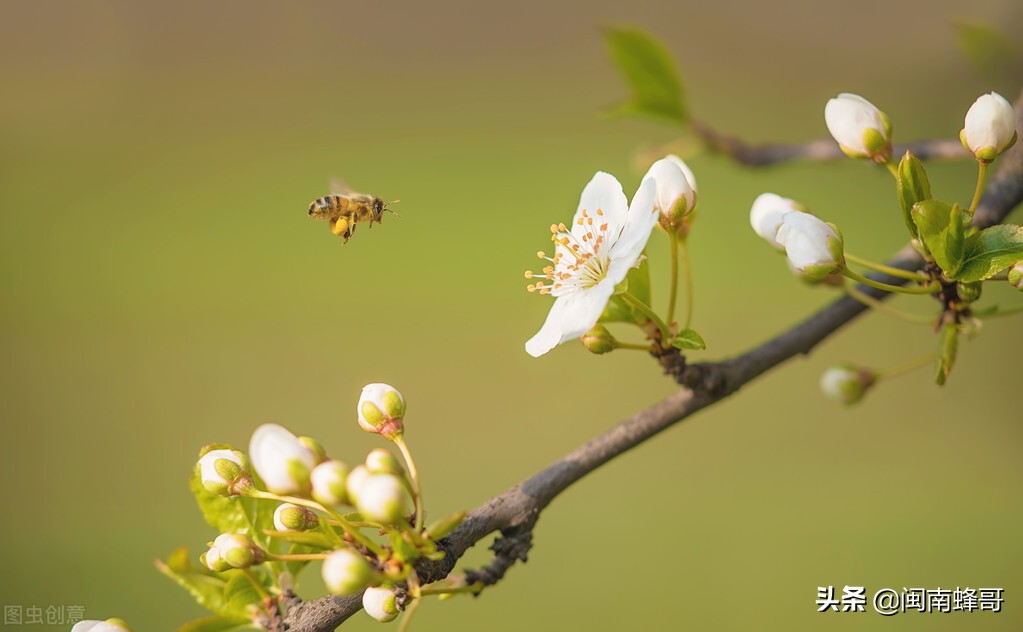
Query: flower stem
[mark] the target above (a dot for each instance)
(631, 345)
(414, 475)
(906, 368)
(981, 176)
(880, 267)
(884, 286)
(880, 306)
(673, 244)
(892, 169)
(315, 506)
(689, 282)
(296, 557)
(649, 313)
(409, 611)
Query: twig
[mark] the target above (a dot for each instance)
(515, 512)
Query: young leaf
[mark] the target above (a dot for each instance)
(639, 281)
(656, 88)
(206, 587)
(241, 597)
(947, 352)
(688, 339)
(990, 251)
(617, 311)
(913, 187)
(941, 229)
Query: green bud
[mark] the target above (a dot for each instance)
(381, 461)
(913, 187)
(847, 383)
(878, 146)
(598, 340)
(1015, 276)
(969, 292)
(947, 350)
(346, 572)
(289, 517)
(319, 452)
(443, 527)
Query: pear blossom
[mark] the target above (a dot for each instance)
(280, 459)
(606, 241)
(813, 246)
(860, 129)
(766, 215)
(380, 603)
(846, 383)
(92, 625)
(381, 410)
(990, 127)
(676, 188)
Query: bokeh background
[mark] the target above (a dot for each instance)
(163, 288)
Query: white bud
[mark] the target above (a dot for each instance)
(766, 215)
(860, 128)
(289, 517)
(236, 549)
(346, 572)
(280, 459)
(380, 461)
(381, 410)
(224, 472)
(813, 246)
(380, 603)
(328, 480)
(381, 498)
(990, 127)
(355, 482)
(1015, 276)
(110, 625)
(676, 187)
(846, 383)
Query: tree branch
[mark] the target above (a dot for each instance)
(515, 512)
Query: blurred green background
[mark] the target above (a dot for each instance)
(163, 288)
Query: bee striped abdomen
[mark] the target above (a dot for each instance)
(328, 205)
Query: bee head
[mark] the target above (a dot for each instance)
(379, 206)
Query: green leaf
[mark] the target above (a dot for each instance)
(617, 311)
(913, 188)
(989, 49)
(990, 251)
(206, 587)
(656, 88)
(947, 352)
(941, 229)
(639, 281)
(688, 339)
(217, 624)
(241, 597)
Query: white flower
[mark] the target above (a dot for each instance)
(380, 604)
(328, 480)
(346, 572)
(606, 241)
(1015, 276)
(223, 471)
(381, 410)
(381, 498)
(280, 459)
(846, 383)
(990, 127)
(110, 625)
(289, 517)
(676, 187)
(766, 214)
(860, 128)
(813, 246)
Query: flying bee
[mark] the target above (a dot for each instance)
(344, 209)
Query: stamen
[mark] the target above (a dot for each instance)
(529, 274)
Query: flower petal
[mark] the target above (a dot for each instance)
(603, 193)
(639, 223)
(571, 316)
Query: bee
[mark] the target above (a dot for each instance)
(344, 210)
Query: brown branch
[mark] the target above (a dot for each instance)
(816, 150)
(515, 512)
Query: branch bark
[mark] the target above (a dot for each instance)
(515, 512)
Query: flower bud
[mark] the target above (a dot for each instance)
(328, 480)
(766, 215)
(1015, 276)
(289, 517)
(862, 131)
(346, 572)
(381, 410)
(990, 127)
(224, 472)
(676, 189)
(110, 625)
(969, 292)
(598, 340)
(280, 459)
(380, 603)
(355, 481)
(381, 461)
(381, 498)
(846, 383)
(319, 452)
(234, 549)
(813, 246)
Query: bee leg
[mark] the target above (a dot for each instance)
(338, 226)
(349, 232)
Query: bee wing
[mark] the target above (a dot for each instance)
(340, 187)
